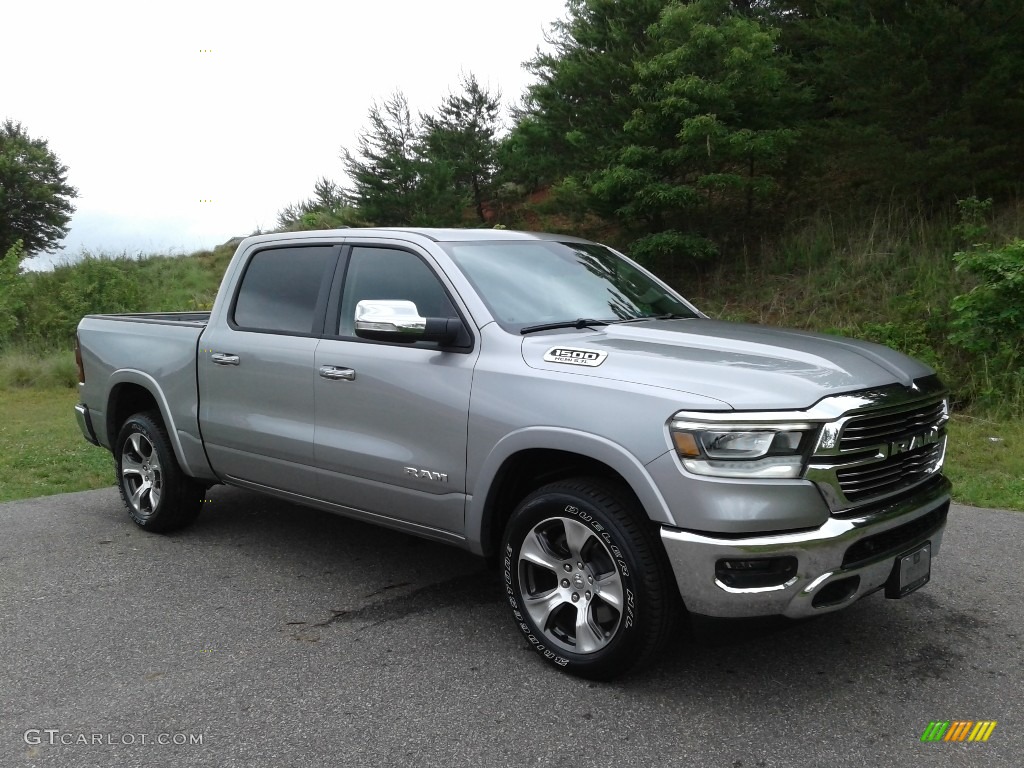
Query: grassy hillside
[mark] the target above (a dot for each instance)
(46, 306)
(887, 276)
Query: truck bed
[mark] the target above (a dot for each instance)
(196, 319)
(127, 353)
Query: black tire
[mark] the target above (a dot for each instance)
(613, 614)
(158, 495)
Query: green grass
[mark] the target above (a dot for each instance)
(42, 450)
(20, 369)
(986, 462)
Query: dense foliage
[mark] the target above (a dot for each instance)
(789, 161)
(920, 98)
(714, 137)
(692, 128)
(427, 170)
(704, 146)
(695, 125)
(35, 197)
(39, 311)
(988, 320)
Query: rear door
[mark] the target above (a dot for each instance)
(256, 372)
(391, 436)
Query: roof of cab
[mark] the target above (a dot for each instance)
(463, 235)
(437, 235)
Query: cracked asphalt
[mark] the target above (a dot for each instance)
(280, 636)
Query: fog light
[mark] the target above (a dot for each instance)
(753, 573)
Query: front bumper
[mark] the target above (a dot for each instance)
(859, 552)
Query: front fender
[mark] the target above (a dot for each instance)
(572, 441)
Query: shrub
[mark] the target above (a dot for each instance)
(990, 317)
(988, 320)
(11, 300)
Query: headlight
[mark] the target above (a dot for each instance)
(743, 450)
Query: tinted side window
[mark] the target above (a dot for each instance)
(387, 273)
(280, 288)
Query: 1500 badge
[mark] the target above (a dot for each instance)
(575, 356)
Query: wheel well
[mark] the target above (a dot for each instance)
(524, 472)
(126, 400)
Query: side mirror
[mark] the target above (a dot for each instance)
(399, 321)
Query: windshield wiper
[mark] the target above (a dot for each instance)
(580, 323)
(668, 316)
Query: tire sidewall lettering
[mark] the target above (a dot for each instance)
(630, 608)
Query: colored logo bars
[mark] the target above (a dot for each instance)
(958, 730)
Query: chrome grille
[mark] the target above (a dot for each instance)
(880, 449)
(890, 475)
(868, 431)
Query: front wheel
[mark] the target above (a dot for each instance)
(587, 580)
(158, 495)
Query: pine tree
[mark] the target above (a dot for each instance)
(329, 208)
(384, 172)
(709, 135)
(570, 122)
(462, 137)
(921, 99)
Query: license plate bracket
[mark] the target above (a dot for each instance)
(910, 572)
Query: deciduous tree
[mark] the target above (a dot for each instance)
(35, 197)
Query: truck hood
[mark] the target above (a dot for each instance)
(747, 367)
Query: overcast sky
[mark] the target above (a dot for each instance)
(157, 107)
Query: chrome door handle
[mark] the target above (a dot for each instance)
(335, 373)
(222, 359)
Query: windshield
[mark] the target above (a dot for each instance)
(533, 282)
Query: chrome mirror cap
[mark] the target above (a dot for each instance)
(391, 317)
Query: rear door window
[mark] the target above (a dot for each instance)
(282, 289)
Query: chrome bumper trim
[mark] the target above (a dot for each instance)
(85, 423)
(819, 556)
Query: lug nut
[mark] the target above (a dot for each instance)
(575, 597)
(587, 595)
(590, 579)
(567, 567)
(565, 583)
(580, 566)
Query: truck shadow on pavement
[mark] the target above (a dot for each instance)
(390, 576)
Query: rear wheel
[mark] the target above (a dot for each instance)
(587, 580)
(158, 495)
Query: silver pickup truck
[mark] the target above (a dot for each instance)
(544, 402)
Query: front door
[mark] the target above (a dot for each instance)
(391, 433)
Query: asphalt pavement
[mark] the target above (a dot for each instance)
(272, 635)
